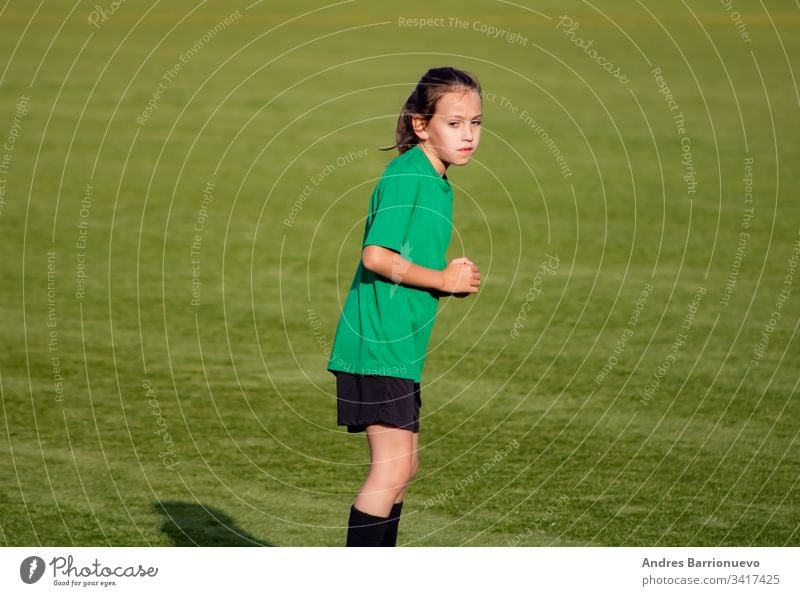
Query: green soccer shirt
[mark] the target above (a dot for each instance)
(385, 327)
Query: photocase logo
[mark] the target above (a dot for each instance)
(31, 569)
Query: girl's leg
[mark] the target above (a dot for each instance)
(393, 457)
(390, 537)
(413, 468)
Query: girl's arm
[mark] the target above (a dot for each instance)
(461, 275)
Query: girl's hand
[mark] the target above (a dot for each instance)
(461, 277)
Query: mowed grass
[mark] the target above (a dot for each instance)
(688, 436)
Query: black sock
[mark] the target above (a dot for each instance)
(365, 529)
(390, 537)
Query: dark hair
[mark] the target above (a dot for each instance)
(422, 101)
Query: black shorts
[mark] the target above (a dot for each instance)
(368, 399)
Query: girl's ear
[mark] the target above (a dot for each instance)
(419, 124)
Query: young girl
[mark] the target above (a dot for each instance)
(382, 336)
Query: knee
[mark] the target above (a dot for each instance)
(409, 470)
(397, 473)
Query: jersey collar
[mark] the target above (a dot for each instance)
(425, 166)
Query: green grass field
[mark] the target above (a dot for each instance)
(184, 187)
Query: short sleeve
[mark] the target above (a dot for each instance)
(391, 211)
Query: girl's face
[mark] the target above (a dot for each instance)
(452, 134)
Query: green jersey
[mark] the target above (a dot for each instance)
(385, 327)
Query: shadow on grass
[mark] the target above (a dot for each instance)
(192, 524)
